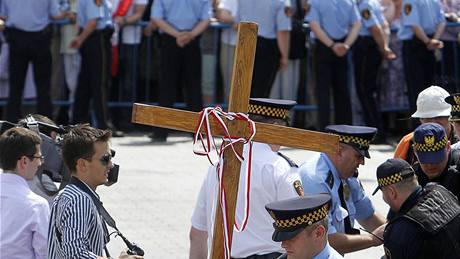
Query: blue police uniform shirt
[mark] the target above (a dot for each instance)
(371, 15)
(334, 16)
(88, 10)
(319, 175)
(183, 15)
(268, 14)
(425, 13)
(328, 253)
(29, 15)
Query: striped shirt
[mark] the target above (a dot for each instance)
(76, 228)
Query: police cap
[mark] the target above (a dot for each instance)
(430, 141)
(358, 137)
(293, 215)
(273, 108)
(454, 101)
(393, 171)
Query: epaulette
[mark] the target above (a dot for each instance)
(330, 179)
(290, 161)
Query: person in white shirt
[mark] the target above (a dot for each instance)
(273, 177)
(24, 216)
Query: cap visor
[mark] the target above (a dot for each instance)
(362, 152)
(376, 190)
(431, 157)
(279, 236)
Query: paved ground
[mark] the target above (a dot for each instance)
(158, 185)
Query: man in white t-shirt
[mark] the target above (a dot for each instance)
(273, 177)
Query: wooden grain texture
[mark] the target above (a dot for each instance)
(266, 133)
(243, 65)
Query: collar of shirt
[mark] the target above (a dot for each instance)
(87, 186)
(332, 168)
(325, 253)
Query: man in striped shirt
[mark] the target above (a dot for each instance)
(77, 229)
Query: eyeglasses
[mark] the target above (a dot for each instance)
(105, 159)
(41, 157)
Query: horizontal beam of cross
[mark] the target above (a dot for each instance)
(266, 133)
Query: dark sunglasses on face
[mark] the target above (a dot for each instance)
(105, 159)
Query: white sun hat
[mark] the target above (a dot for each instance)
(431, 103)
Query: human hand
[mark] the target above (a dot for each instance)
(75, 43)
(184, 38)
(125, 255)
(120, 21)
(283, 63)
(434, 44)
(388, 54)
(340, 49)
(377, 235)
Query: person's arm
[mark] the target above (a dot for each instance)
(353, 34)
(198, 244)
(224, 16)
(132, 19)
(431, 43)
(166, 27)
(345, 243)
(373, 222)
(80, 38)
(380, 38)
(282, 39)
(186, 37)
(321, 34)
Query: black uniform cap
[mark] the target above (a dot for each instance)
(393, 171)
(293, 215)
(454, 100)
(358, 137)
(274, 108)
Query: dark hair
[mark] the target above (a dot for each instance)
(16, 143)
(79, 143)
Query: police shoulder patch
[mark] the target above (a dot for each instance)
(298, 187)
(330, 179)
(407, 9)
(366, 14)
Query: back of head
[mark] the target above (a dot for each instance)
(431, 103)
(79, 143)
(15, 143)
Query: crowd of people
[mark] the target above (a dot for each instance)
(305, 211)
(102, 52)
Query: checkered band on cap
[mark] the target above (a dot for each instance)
(430, 145)
(308, 218)
(362, 143)
(268, 111)
(389, 180)
(455, 108)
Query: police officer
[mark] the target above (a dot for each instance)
(336, 174)
(414, 233)
(431, 107)
(454, 101)
(437, 161)
(29, 37)
(335, 26)
(301, 226)
(94, 20)
(181, 23)
(368, 51)
(422, 23)
(272, 51)
(273, 177)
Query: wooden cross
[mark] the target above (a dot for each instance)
(239, 102)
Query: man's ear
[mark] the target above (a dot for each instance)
(392, 192)
(82, 165)
(320, 232)
(448, 147)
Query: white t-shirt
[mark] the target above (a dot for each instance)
(272, 179)
(229, 35)
(131, 34)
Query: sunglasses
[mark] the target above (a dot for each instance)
(105, 159)
(42, 158)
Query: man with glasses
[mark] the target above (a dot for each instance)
(24, 215)
(77, 228)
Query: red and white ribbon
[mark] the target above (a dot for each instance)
(215, 154)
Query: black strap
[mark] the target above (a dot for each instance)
(348, 228)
